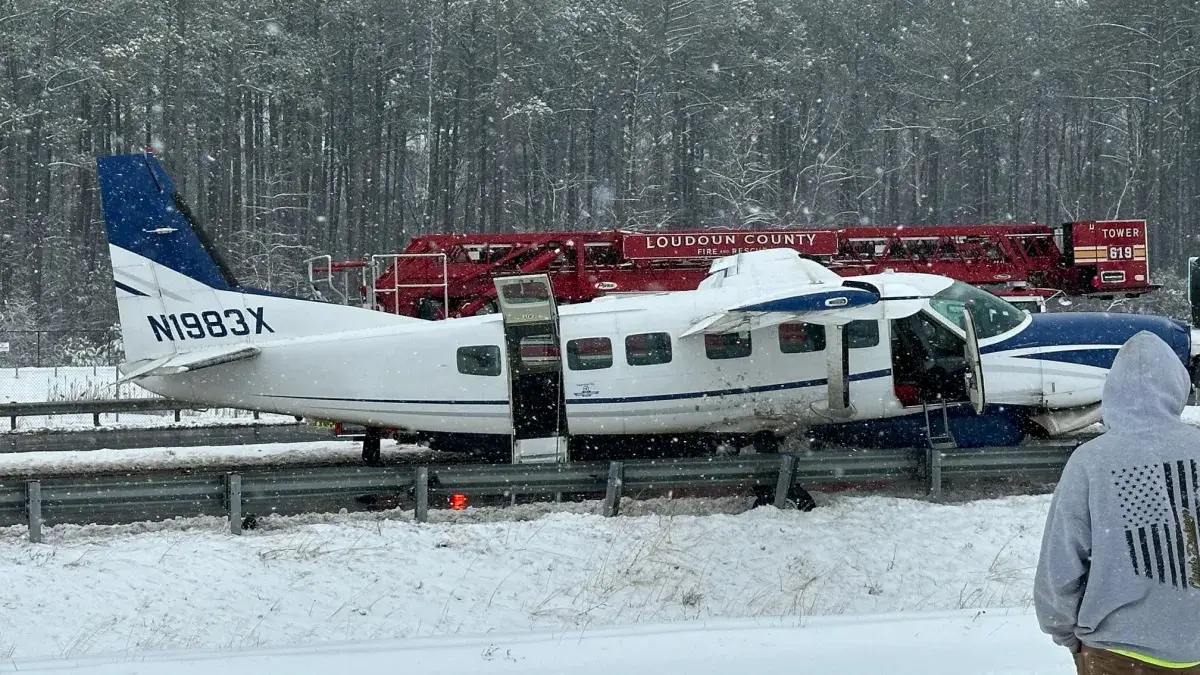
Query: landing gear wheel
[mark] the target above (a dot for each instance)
(370, 447)
(802, 499)
(797, 496)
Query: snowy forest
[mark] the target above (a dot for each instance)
(299, 127)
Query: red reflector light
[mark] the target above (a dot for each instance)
(458, 502)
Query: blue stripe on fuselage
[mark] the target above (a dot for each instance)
(1069, 329)
(1101, 357)
(730, 392)
(626, 399)
(396, 401)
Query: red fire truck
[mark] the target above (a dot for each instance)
(439, 275)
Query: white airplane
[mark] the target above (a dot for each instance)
(769, 344)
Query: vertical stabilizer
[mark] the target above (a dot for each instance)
(175, 295)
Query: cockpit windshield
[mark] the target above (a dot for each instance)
(992, 316)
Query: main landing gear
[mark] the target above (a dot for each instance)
(370, 447)
(764, 495)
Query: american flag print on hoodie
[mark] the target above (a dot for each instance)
(1159, 503)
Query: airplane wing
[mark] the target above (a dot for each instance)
(190, 361)
(852, 301)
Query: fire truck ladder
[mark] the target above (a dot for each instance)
(988, 258)
(537, 263)
(323, 275)
(392, 285)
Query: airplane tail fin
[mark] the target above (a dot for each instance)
(180, 306)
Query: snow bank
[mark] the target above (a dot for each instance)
(188, 585)
(958, 643)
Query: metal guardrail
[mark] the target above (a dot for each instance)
(114, 499)
(161, 437)
(95, 408)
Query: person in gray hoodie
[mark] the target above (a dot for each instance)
(1118, 577)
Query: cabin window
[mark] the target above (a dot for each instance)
(862, 334)
(538, 350)
(648, 349)
(727, 345)
(797, 337)
(479, 360)
(589, 353)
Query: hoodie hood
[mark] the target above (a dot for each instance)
(1147, 385)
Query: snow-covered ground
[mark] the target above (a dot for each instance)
(951, 643)
(28, 385)
(141, 459)
(65, 383)
(122, 591)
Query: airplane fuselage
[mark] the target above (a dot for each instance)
(635, 376)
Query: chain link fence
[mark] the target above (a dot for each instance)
(39, 348)
(62, 365)
(81, 365)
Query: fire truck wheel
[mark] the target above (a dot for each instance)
(370, 448)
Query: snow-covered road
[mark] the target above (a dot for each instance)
(953, 643)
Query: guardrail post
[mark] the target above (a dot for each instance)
(95, 419)
(233, 501)
(178, 413)
(12, 423)
(787, 476)
(933, 464)
(612, 492)
(33, 508)
(422, 494)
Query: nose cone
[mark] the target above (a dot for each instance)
(1098, 335)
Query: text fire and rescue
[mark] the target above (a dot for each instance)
(717, 244)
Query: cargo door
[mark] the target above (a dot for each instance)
(535, 373)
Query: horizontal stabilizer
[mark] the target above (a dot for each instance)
(191, 361)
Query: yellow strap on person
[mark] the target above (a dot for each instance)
(1154, 661)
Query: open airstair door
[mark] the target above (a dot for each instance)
(535, 372)
(974, 372)
(838, 372)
